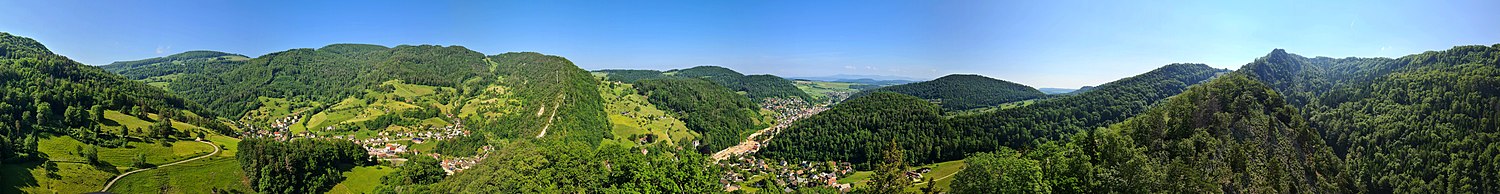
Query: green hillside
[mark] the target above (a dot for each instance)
(186, 62)
(69, 127)
(1234, 134)
(1057, 117)
(1422, 123)
(962, 92)
(723, 117)
(851, 134)
(1230, 135)
(755, 87)
(836, 134)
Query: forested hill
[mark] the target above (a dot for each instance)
(327, 74)
(565, 93)
(755, 86)
(962, 92)
(853, 131)
(723, 117)
(44, 92)
(186, 62)
(348, 86)
(1018, 127)
(1102, 105)
(1234, 135)
(1422, 123)
(1230, 135)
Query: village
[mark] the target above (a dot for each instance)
(385, 145)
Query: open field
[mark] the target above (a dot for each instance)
(361, 179)
(942, 176)
(220, 171)
(820, 89)
(73, 175)
(630, 114)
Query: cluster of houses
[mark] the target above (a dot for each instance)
(279, 129)
(789, 175)
(385, 150)
(835, 97)
(454, 165)
(787, 111)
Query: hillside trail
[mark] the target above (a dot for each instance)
(111, 182)
(554, 115)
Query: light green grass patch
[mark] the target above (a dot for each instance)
(70, 177)
(199, 176)
(362, 179)
(631, 114)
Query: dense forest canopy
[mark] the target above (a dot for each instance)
(1230, 135)
(724, 117)
(567, 97)
(1235, 134)
(1422, 123)
(186, 62)
(327, 74)
(574, 167)
(1103, 105)
(1019, 127)
(962, 92)
(41, 92)
(755, 86)
(855, 131)
(297, 166)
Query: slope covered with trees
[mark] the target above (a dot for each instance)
(721, 115)
(574, 167)
(962, 92)
(1054, 118)
(564, 98)
(755, 86)
(1230, 135)
(855, 131)
(1422, 123)
(186, 62)
(41, 92)
(328, 74)
(1020, 127)
(1234, 135)
(297, 166)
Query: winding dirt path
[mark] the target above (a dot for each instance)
(555, 105)
(117, 178)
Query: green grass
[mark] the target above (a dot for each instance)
(362, 179)
(1008, 105)
(819, 89)
(941, 170)
(940, 174)
(424, 147)
(411, 90)
(63, 148)
(74, 176)
(221, 171)
(70, 177)
(636, 119)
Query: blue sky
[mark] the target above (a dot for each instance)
(1038, 43)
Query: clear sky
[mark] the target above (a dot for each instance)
(1038, 43)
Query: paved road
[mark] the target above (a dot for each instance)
(117, 178)
(750, 145)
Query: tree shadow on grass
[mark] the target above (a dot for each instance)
(17, 175)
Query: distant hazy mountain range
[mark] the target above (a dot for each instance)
(864, 79)
(1056, 90)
